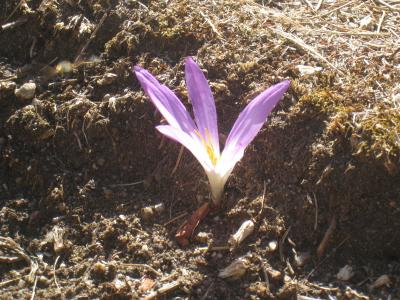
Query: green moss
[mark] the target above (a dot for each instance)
(377, 134)
(320, 101)
(372, 133)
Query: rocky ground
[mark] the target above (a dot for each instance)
(91, 195)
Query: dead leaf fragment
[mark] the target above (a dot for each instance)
(236, 269)
(381, 281)
(146, 284)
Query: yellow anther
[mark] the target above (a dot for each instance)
(209, 148)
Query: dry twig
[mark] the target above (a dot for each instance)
(328, 234)
(165, 289)
(140, 266)
(13, 24)
(10, 244)
(336, 9)
(92, 36)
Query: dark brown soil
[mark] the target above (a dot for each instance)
(81, 160)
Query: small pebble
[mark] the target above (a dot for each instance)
(21, 283)
(201, 237)
(345, 273)
(99, 269)
(101, 161)
(272, 246)
(8, 86)
(159, 208)
(26, 91)
(107, 79)
(108, 194)
(106, 97)
(147, 212)
(274, 274)
(43, 281)
(145, 248)
(119, 284)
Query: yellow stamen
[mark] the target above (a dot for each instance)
(209, 148)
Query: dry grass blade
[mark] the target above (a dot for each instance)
(319, 5)
(178, 160)
(352, 32)
(316, 212)
(336, 9)
(326, 257)
(310, 5)
(281, 242)
(11, 281)
(212, 26)
(15, 10)
(300, 43)
(175, 218)
(34, 288)
(388, 5)
(378, 28)
(54, 272)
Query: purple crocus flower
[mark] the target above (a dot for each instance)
(201, 135)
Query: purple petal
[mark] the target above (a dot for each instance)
(249, 123)
(191, 142)
(203, 102)
(165, 101)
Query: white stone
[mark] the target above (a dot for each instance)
(26, 91)
(345, 273)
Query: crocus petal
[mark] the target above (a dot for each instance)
(248, 124)
(165, 101)
(203, 103)
(191, 142)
